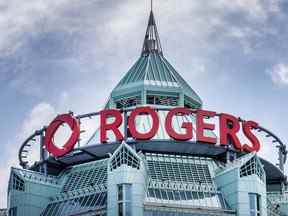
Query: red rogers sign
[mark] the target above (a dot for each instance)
(229, 126)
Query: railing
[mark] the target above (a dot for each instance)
(272, 208)
(277, 197)
(36, 176)
(3, 212)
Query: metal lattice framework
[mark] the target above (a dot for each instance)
(175, 184)
(272, 208)
(95, 202)
(20, 176)
(182, 180)
(3, 212)
(124, 156)
(17, 182)
(162, 211)
(81, 178)
(84, 189)
(253, 166)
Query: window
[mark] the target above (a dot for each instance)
(255, 206)
(13, 211)
(162, 100)
(128, 102)
(18, 183)
(124, 156)
(120, 192)
(191, 103)
(124, 199)
(87, 177)
(252, 167)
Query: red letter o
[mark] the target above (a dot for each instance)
(53, 127)
(155, 123)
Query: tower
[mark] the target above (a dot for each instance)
(152, 80)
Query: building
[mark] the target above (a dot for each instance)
(154, 177)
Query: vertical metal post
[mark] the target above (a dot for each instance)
(144, 97)
(230, 154)
(43, 153)
(79, 139)
(280, 159)
(125, 125)
(227, 155)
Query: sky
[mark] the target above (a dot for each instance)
(61, 55)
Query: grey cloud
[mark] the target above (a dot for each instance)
(71, 53)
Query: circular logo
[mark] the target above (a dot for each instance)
(53, 127)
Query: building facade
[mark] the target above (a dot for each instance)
(149, 178)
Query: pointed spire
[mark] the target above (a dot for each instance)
(151, 40)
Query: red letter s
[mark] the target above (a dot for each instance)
(247, 127)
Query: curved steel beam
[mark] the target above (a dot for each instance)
(26, 144)
(282, 147)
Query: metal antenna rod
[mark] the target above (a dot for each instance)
(151, 5)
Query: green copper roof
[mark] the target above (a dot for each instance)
(153, 72)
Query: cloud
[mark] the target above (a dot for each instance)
(22, 20)
(60, 35)
(70, 53)
(39, 116)
(19, 18)
(256, 9)
(279, 74)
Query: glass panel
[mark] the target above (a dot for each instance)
(128, 210)
(252, 198)
(120, 192)
(258, 203)
(252, 167)
(128, 102)
(18, 183)
(128, 192)
(120, 209)
(124, 156)
(162, 100)
(124, 199)
(255, 204)
(93, 174)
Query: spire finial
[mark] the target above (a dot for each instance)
(151, 40)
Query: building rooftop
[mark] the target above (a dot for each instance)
(152, 72)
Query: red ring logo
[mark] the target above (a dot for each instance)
(53, 127)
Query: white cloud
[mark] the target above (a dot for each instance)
(279, 74)
(40, 115)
